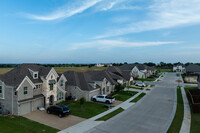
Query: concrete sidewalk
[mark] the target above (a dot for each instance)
(91, 123)
(185, 128)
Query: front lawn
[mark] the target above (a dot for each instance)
(178, 118)
(124, 95)
(195, 118)
(139, 88)
(86, 110)
(110, 115)
(138, 97)
(18, 124)
(147, 79)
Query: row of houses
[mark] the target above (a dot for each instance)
(29, 86)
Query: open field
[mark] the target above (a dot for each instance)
(18, 124)
(64, 69)
(5, 70)
(78, 69)
(164, 70)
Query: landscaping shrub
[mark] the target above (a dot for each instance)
(82, 100)
(119, 87)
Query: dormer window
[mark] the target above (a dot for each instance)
(36, 75)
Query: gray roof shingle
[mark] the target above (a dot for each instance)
(16, 76)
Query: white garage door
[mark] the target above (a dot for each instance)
(38, 103)
(25, 108)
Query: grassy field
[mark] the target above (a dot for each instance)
(124, 95)
(64, 69)
(164, 70)
(5, 70)
(20, 124)
(111, 114)
(138, 97)
(86, 110)
(78, 69)
(195, 118)
(178, 118)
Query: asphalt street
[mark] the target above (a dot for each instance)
(152, 114)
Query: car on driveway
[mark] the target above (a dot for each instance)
(60, 110)
(140, 84)
(103, 98)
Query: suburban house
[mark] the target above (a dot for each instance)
(192, 73)
(179, 68)
(29, 86)
(138, 70)
(88, 84)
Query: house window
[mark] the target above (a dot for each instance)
(60, 96)
(25, 90)
(37, 86)
(61, 83)
(0, 89)
(35, 76)
(51, 87)
(107, 89)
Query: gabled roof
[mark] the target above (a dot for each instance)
(79, 79)
(129, 67)
(192, 68)
(16, 76)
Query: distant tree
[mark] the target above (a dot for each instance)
(125, 63)
(151, 64)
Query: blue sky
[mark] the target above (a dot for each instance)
(99, 31)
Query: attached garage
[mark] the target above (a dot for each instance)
(29, 106)
(25, 108)
(38, 103)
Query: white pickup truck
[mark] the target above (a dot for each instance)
(103, 98)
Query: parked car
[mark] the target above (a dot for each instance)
(140, 84)
(60, 110)
(103, 98)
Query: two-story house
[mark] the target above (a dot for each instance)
(27, 87)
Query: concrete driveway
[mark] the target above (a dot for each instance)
(53, 120)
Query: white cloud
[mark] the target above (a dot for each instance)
(65, 11)
(163, 14)
(103, 44)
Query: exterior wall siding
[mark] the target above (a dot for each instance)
(20, 93)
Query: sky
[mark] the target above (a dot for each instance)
(99, 31)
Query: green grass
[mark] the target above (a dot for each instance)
(19, 124)
(147, 79)
(124, 95)
(152, 85)
(86, 110)
(139, 88)
(78, 69)
(195, 118)
(164, 70)
(138, 97)
(148, 89)
(5, 70)
(110, 115)
(178, 118)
